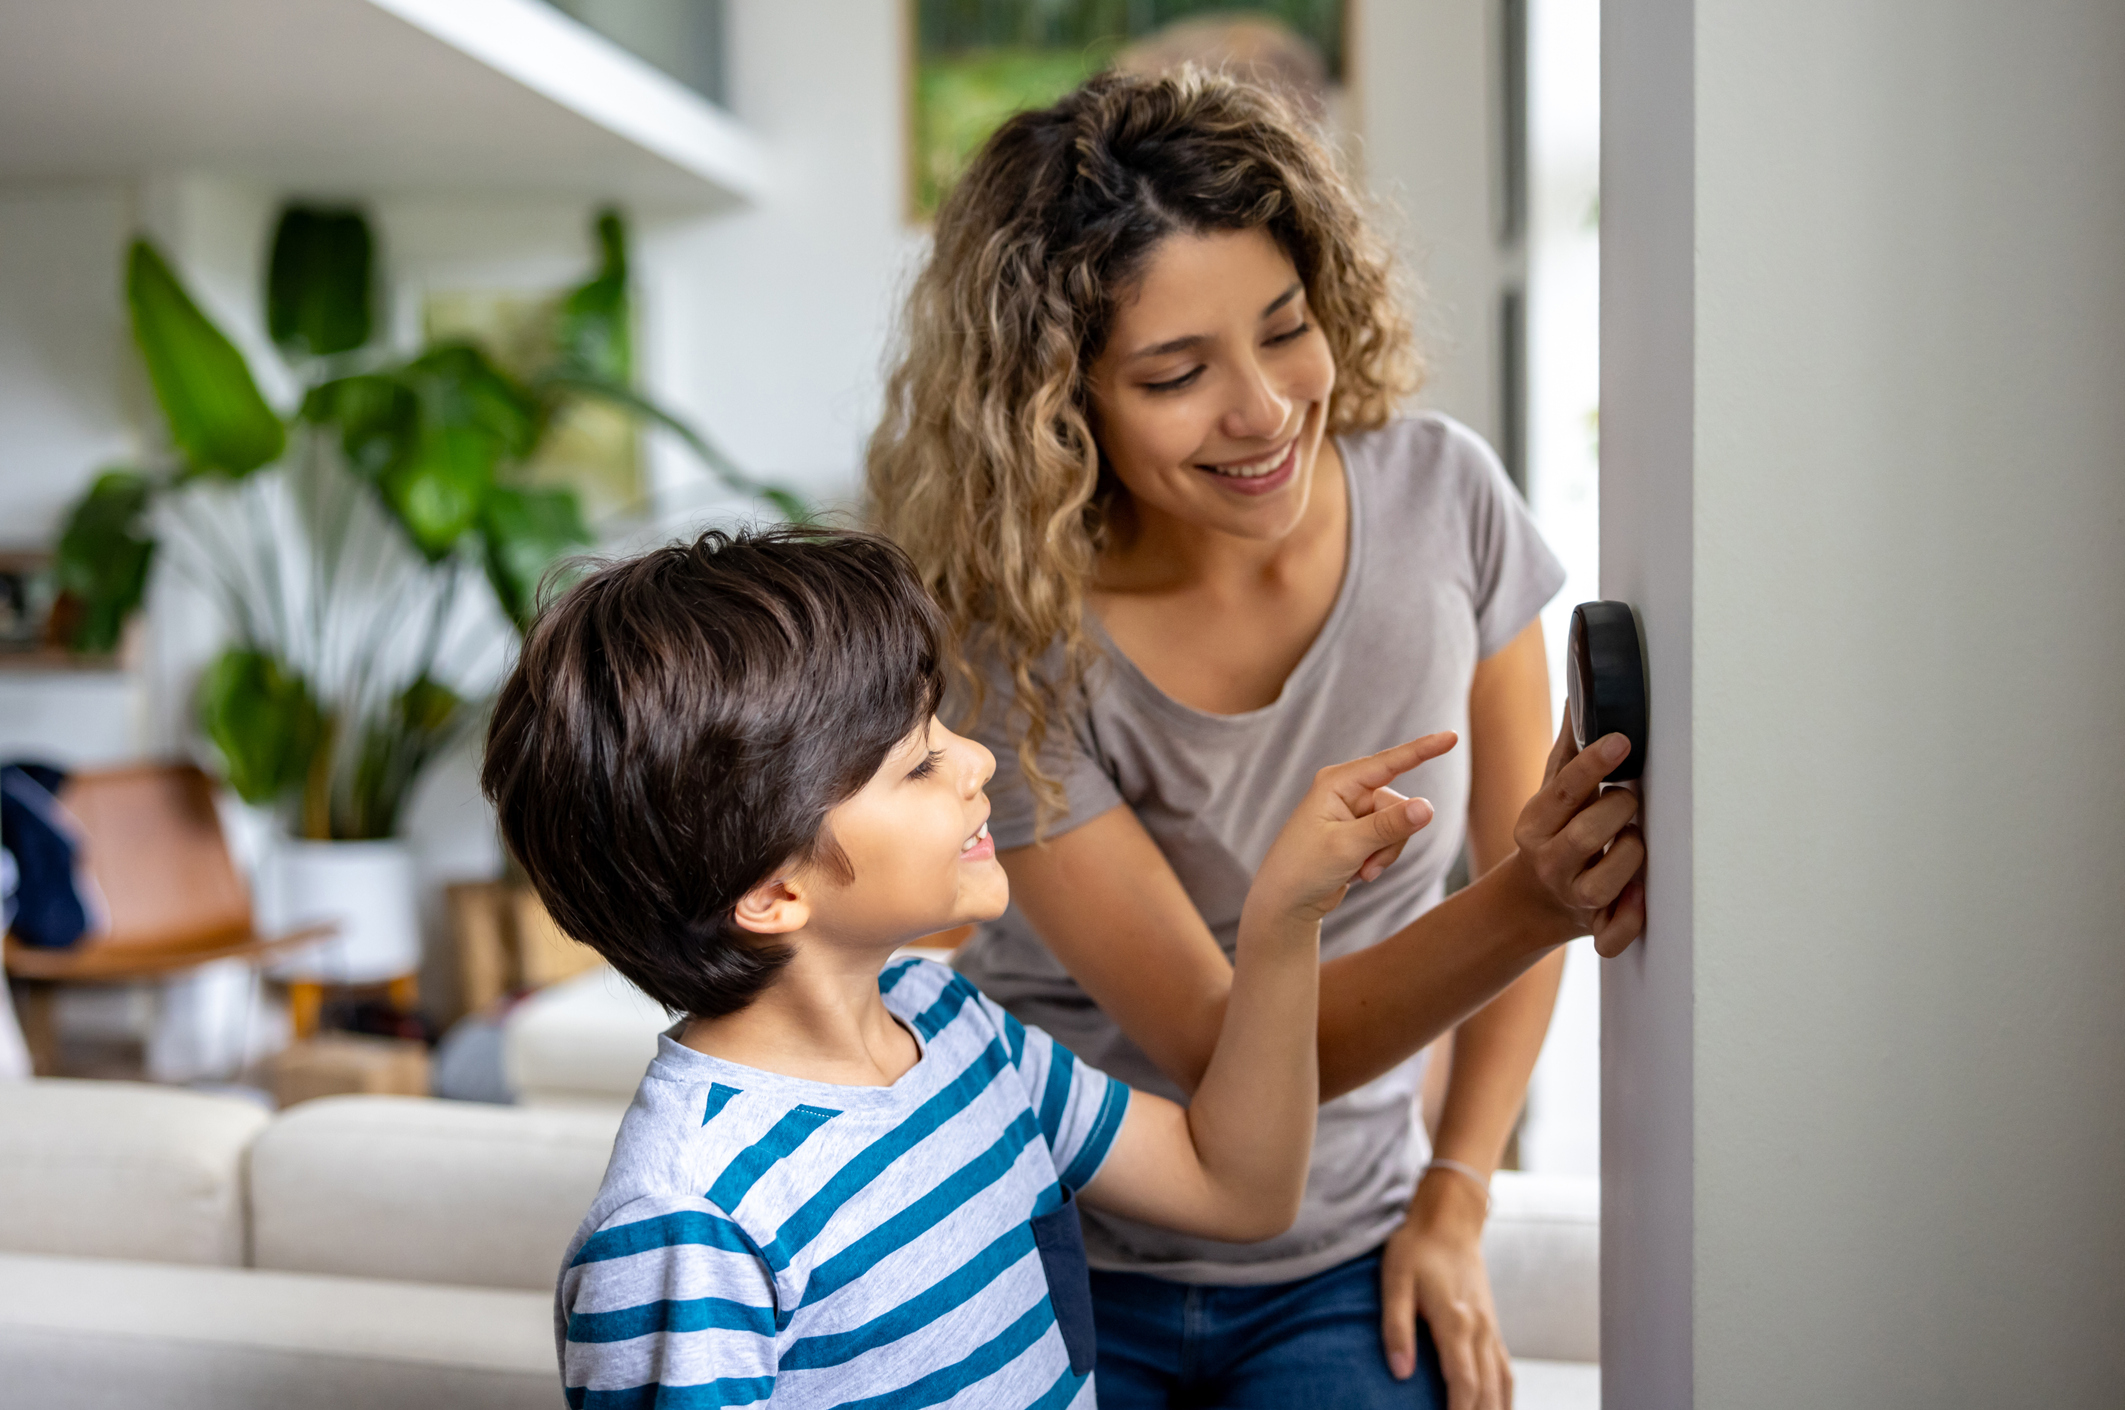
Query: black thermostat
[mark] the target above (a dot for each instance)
(1606, 680)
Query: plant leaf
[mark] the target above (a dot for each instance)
(788, 501)
(438, 488)
(426, 707)
(378, 418)
(596, 319)
(264, 721)
(103, 557)
(524, 533)
(431, 434)
(319, 297)
(460, 388)
(791, 505)
(395, 747)
(217, 418)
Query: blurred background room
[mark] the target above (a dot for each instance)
(326, 328)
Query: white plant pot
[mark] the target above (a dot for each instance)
(366, 888)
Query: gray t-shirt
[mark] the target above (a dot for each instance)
(1445, 567)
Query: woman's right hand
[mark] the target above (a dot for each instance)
(1581, 848)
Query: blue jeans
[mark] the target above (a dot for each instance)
(1314, 1341)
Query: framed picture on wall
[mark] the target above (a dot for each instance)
(976, 62)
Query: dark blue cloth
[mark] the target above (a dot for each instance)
(1311, 1342)
(1062, 1257)
(48, 907)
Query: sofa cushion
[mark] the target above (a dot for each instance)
(1556, 1385)
(422, 1189)
(123, 1170)
(86, 1334)
(1543, 1246)
(585, 1040)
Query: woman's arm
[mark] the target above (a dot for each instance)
(1111, 910)
(1232, 1163)
(1433, 1264)
(1494, 1049)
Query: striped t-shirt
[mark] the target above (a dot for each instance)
(763, 1236)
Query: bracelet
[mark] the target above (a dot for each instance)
(1440, 1162)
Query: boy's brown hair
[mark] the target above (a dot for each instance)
(677, 728)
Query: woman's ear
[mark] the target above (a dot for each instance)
(774, 907)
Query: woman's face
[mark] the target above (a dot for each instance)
(1212, 392)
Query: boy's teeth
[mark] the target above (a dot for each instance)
(976, 840)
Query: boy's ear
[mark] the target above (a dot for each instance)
(774, 907)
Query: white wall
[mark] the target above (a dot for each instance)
(770, 325)
(1426, 73)
(65, 355)
(1864, 467)
(1647, 410)
(69, 388)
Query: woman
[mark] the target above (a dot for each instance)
(1141, 444)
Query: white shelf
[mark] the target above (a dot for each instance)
(478, 97)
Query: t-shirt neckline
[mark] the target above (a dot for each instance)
(1309, 662)
(677, 1062)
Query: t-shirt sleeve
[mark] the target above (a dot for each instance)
(1066, 755)
(1079, 1108)
(667, 1293)
(1515, 573)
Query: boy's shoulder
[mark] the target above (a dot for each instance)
(710, 1135)
(935, 999)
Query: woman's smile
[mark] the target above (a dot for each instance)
(1262, 475)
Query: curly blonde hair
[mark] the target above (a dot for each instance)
(986, 468)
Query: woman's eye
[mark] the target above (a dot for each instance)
(1281, 338)
(1174, 384)
(928, 765)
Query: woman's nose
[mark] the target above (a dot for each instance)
(1259, 409)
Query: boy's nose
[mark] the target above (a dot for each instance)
(984, 767)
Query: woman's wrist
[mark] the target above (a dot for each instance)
(1449, 1204)
(1528, 909)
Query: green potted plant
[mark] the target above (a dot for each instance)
(373, 552)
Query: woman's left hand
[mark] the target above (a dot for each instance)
(1433, 1268)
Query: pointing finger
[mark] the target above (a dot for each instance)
(1354, 782)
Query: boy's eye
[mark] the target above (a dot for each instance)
(928, 765)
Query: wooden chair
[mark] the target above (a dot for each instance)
(153, 846)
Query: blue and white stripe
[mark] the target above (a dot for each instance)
(760, 1236)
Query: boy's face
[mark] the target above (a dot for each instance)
(917, 838)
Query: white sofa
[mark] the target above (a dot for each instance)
(168, 1248)
(581, 1045)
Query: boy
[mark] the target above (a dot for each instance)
(842, 1180)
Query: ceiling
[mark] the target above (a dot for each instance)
(359, 97)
